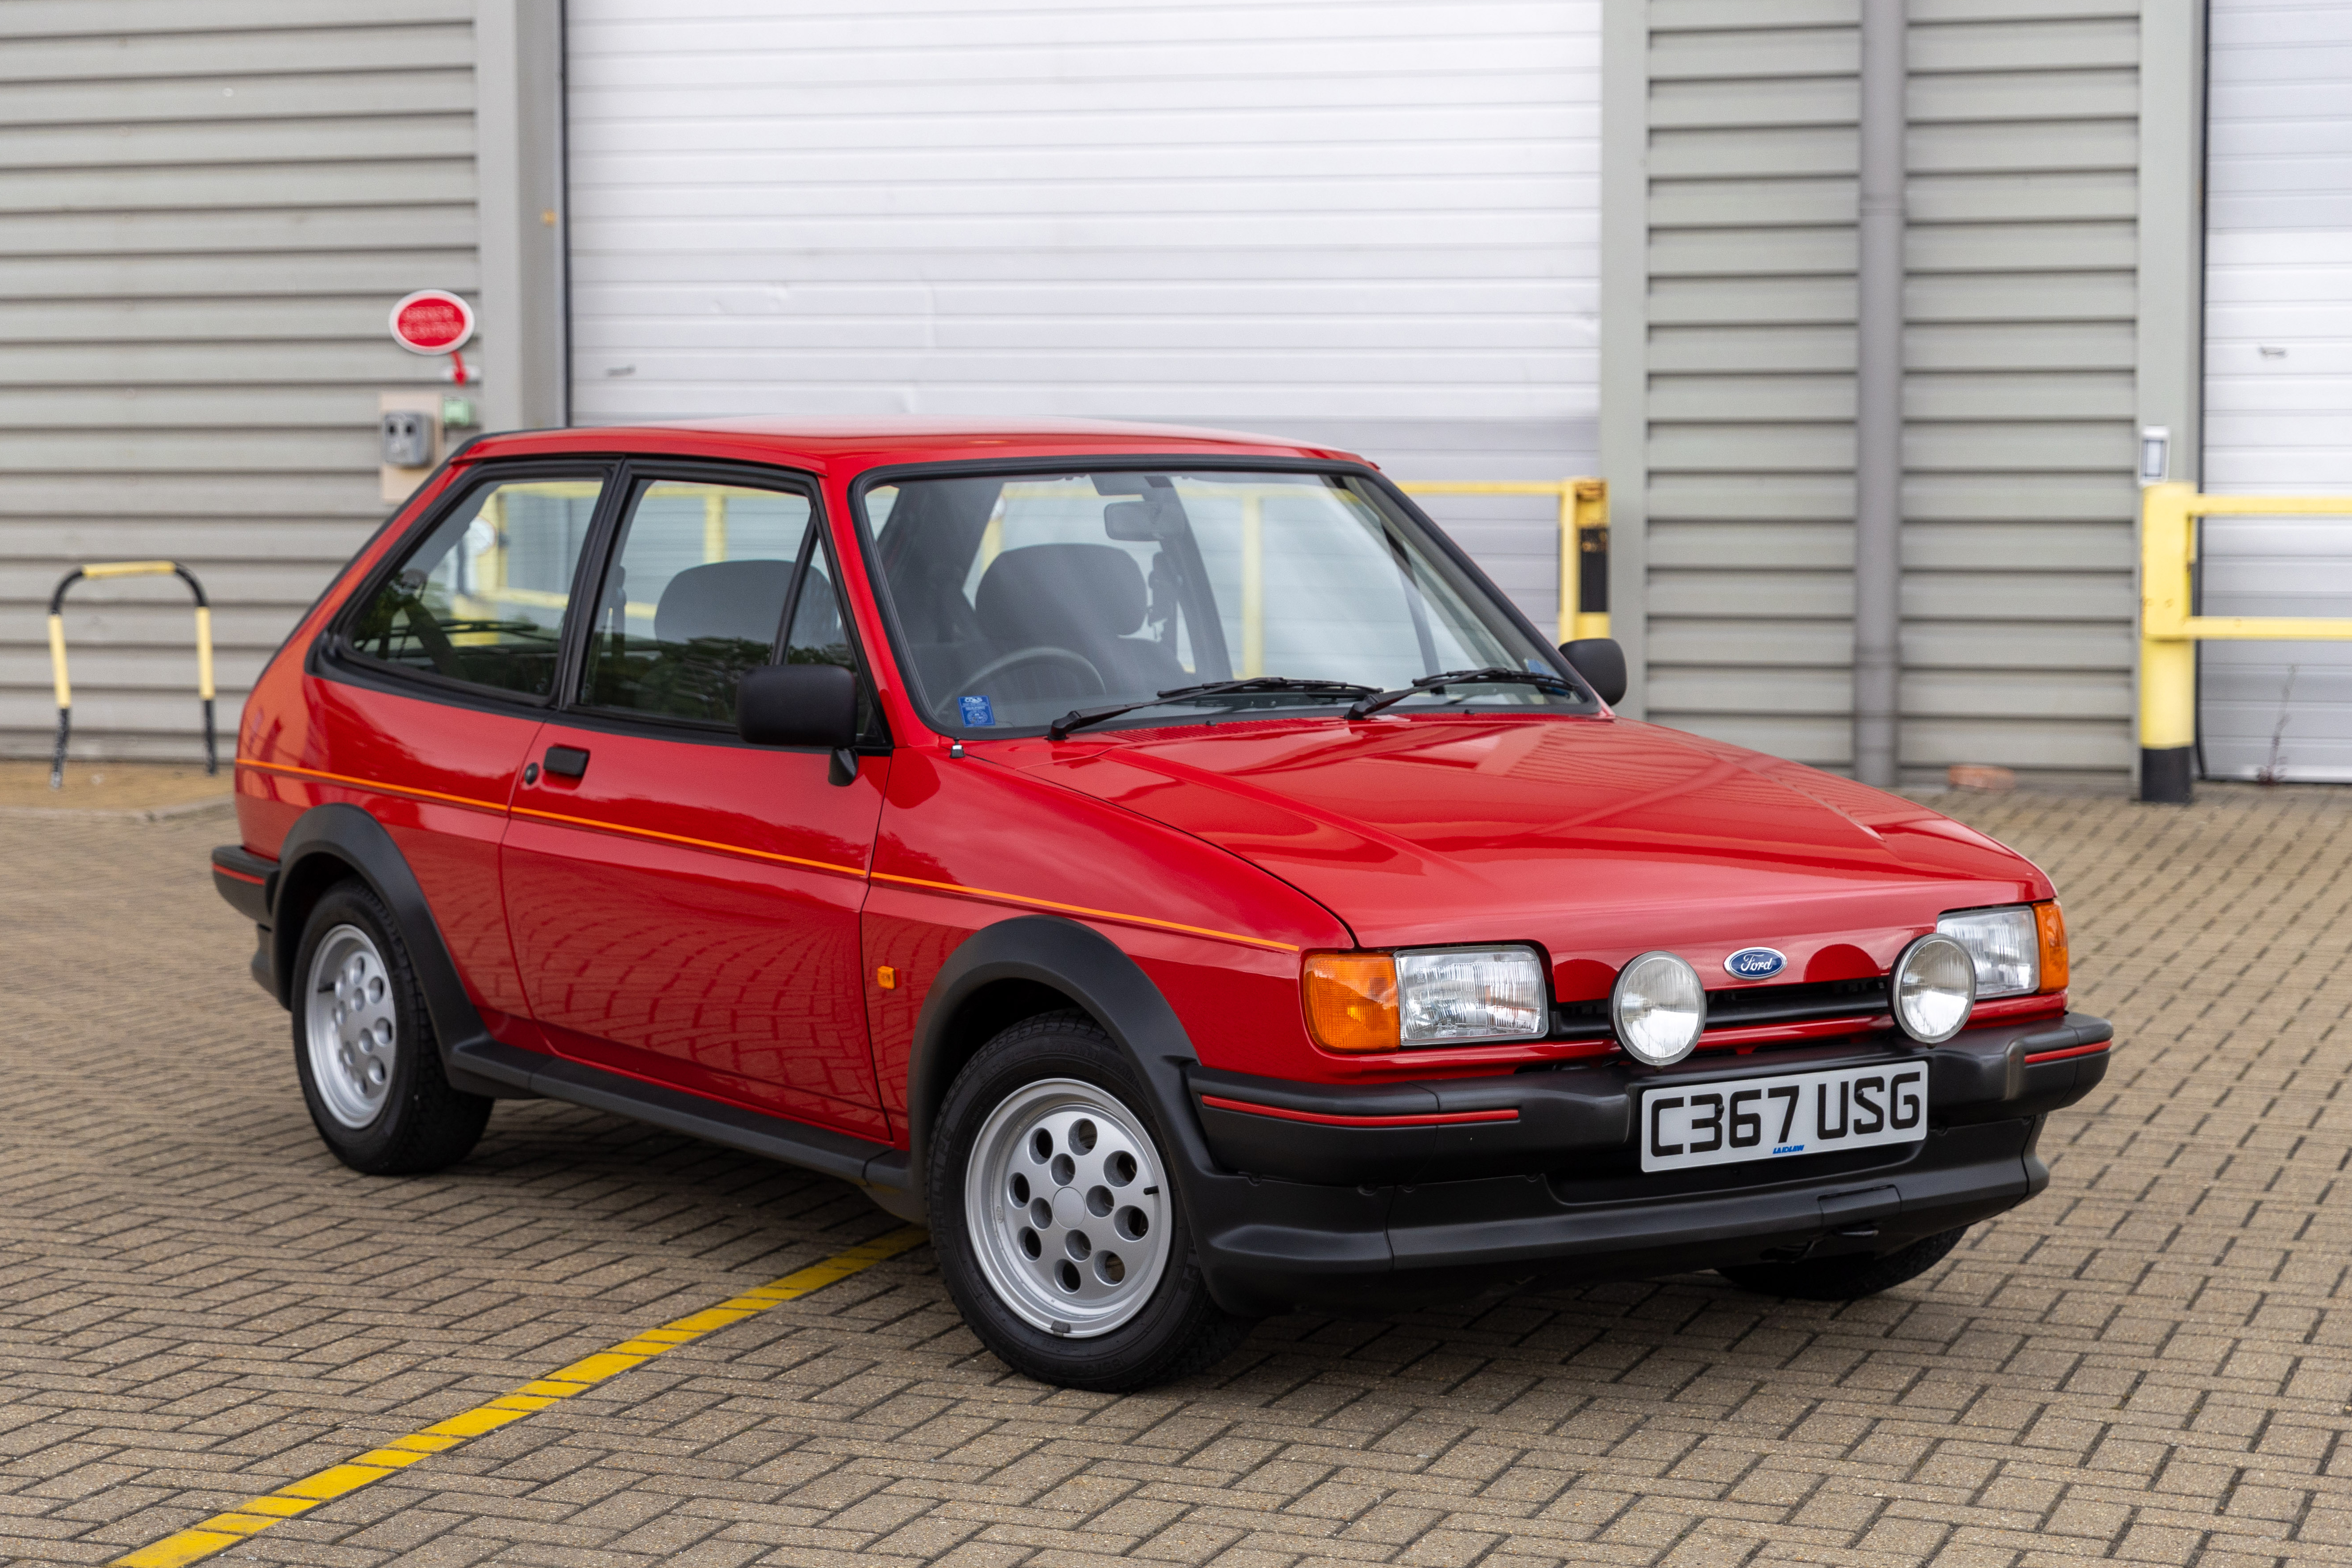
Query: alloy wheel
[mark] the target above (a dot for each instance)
(1066, 1202)
(352, 1031)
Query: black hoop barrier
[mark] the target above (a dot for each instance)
(57, 649)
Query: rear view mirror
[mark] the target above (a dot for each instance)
(798, 705)
(1602, 663)
(1129, 520)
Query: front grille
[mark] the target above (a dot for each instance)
(1745, 1005)
(1795, 1004)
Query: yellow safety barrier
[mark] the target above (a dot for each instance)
(1584, 542)
(2169, 630)
(100, 570)
(1583, 549)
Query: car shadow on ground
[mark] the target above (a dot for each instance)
(1557, 1341)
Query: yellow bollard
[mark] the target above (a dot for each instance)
(98, 571)
(1584, 538)
(2168, 658)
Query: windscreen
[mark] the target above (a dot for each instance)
(1022, 598)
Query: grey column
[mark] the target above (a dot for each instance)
(1878, 400)
(519, 153)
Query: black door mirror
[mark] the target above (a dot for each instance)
(798, 705)
(1602, 663)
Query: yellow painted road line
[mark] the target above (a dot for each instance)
(255, 1515)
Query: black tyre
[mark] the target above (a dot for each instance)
(365, 1048)
(1845, 1278)
(1058, 1230)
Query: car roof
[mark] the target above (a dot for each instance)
(849, 445)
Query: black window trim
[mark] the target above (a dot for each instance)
(1160, 462)
(629, 470)
(634, 476)
(334, 655)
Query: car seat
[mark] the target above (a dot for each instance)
(1087, 598)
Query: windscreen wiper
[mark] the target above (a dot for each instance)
(1074, 719)
(1492, 675)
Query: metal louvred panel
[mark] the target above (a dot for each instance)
(210, 206)
(2019, 355)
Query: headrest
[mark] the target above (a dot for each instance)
(737, 599)
(1037, 591)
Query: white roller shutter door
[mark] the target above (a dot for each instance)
(1372, 225)
(2278, 379)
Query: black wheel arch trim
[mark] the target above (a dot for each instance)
(1080, 963)
(348, 836)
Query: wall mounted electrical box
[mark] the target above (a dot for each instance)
(409, 440)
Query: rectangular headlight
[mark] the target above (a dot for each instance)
(1455, 995)
(2006, 944)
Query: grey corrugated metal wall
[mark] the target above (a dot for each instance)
(2018, 494)
(210, 207)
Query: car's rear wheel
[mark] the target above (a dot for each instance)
(1059, 1233)
(365, 1048)
(1846, 1278)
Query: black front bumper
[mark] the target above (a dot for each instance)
(1383, 1195)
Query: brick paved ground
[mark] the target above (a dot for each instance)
(2152, 1363)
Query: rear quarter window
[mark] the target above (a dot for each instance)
(481, 597)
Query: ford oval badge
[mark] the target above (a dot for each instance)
(1756, 963)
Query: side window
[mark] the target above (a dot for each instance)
(481, 597)
(694, 596)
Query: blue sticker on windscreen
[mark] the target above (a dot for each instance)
(977, 713)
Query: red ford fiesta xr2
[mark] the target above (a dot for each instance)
(1158, 859)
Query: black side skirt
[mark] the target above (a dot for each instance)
(842, 1154)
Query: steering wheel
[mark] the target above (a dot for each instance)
(946, 707)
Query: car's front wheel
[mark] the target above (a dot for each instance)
(1059, 1233)
(365, 1048)
(1846, 1278)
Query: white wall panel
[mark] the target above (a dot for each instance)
(1369, 222)
(2278, 379)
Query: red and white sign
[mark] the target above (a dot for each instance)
(432, 321)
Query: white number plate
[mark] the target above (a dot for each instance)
(1778, 1118)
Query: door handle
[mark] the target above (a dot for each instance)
(567, 762)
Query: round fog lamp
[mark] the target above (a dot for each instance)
(1658, 1008)
(1934, 984)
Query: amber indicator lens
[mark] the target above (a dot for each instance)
(2050, 922)
(1351, 1001)
(1935, 985)
(1455, 994)
(1658, 1008)
(2003, 941)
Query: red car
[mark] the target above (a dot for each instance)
(1157, 857)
